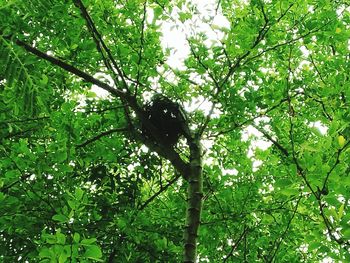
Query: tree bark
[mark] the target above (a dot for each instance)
(194, 202)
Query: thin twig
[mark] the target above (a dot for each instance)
(161, 190)
(99, 136)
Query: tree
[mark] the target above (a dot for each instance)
(262, 175)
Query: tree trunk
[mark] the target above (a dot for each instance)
(194, 202)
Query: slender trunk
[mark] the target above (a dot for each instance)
(194, 203)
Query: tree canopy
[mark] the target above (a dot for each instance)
(262, 175)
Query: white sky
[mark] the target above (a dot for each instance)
(175, 32)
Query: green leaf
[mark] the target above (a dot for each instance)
(341, 211)
(88, 241)
(346, 233)
(74, 46)
(79, 194)
(91, 94)
(289, 191)
(72, 204)
(50, 239)
(2, 196)
(283, 183)
(341, 141)
(11, 174)
(61, 238)
(44, 80)
(61, 156)
(45, 253)
(61, 218)
(314, 246)
(93, 252)
(62, 258)
(76, 237)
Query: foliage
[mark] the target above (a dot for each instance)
(78, 186)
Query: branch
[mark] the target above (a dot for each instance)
(237, 125)
(291, 129)
(142, 40)
(71, 69)
(337, 161)
(161, 190)
(317, 70)
(236, 243)
(276, 143)
(325, 113)
(261, 34)
(101, 46)
(99, 136)
(263, 31)
(18, 133)
(21, 179)
(284, 43)
(200, 62)
(5, 122)
(166, 152)
(330, 229)
(285, 231)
